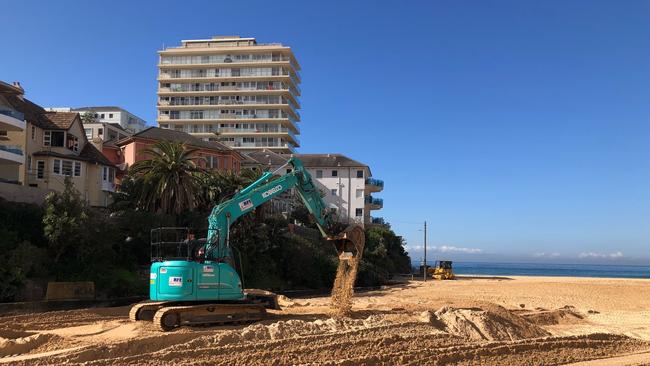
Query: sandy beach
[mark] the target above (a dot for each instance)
(468, 321)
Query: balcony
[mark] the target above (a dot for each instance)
(377, 221)
(374, 203)
(208, 89)
(11, 154)
(248, 145)
(374, 185)
(11, 120)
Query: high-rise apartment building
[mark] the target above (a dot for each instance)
(233, 90)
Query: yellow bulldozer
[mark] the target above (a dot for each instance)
(441, 271)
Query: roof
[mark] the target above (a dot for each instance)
(88, 153)
(156, 134)
(100, 108)
(91, 153)
(6, 88)
(32, 111)
(110, 144)
(265, 157)
(59, 120)
(328, 160)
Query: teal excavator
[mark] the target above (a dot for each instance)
(194, 282)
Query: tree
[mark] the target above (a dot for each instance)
(64, 220)
(88, 117)
(171, 179)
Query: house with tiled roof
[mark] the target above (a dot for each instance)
(55, 146)
(209, 154)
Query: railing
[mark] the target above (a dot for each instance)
(374, 201)
(165, 117)
(375, 182)
(256, 144)
(229, 75)
(377, 221)
(226, 88)
(12, 113)
(16, 149)
(224, 60)
(224, 102)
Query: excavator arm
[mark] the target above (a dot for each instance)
(263, 190)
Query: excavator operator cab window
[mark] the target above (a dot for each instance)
(174, 243)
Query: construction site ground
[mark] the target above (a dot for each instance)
(468, 321)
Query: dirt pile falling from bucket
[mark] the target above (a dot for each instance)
(343, 289)
(352, 240)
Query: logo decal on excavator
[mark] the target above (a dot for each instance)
(275, 189)
(175, 281)
(245, 204)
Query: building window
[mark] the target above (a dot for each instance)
(100, 131)
(40, 169)
(3, 133)
(77, 169)
(73, 143)
(56, 167)
(29, 164)
(101, 116)
(89, 132)
(335, 173)
(334, 191)
(319, 174)
(359, 173)
(110, 115)
(358, 212)
(33, 133)
(53, 138)
(66, 167)
(108, 174)
(359, 193)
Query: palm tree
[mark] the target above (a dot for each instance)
(170, 178)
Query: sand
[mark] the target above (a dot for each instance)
(470, 321)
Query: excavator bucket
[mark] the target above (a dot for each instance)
(349, 243)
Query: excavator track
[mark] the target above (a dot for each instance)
(145, 310)
(168, 318)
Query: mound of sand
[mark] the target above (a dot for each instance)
(565, 315)
(294, 328)
(21, 343)
(492, 323)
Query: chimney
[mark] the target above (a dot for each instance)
(16, 84)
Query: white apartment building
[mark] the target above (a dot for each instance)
(346, 183)
(233, 90)
(116, 116)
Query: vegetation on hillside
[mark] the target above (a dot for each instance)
(65, 240)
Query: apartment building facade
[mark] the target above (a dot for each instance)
(115, 116)
(232, 90)
(12, 121)
(345, 183)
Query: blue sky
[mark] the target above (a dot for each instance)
(518, 129)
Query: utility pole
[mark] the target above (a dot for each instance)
(424, 276)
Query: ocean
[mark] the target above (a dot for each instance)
(545, 269)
